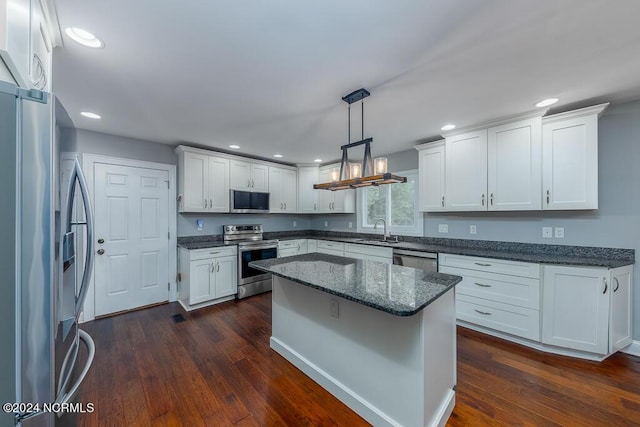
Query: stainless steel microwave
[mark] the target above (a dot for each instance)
(248, 202)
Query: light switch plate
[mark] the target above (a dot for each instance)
(547, 232)
(350, 224)
(326, 223)
(473, 229)
(295, 224)
(443, 228)
(558, 232)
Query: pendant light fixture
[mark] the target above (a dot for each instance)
(354, 175)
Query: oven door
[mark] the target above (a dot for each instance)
(247, 254)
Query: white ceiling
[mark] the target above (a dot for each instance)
(269, 75)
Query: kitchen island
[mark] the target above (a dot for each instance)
(379, 337)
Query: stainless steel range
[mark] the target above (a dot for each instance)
(251, 247)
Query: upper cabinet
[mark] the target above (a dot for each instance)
(341, 201)
(466, 171)
(570, 159)
(513, 165)
(283, 189)
(528, 164)
(203, 184)
(25, 42)
(248, 176)
(307, 196)
(431, 166)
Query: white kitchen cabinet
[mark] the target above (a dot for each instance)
(368, 252)
(41, 49)
(249, 176)
(292, 247)
(466, 171)
(586, 308)
(431, 176)
(283, 189)
(207, 276)
(341, 201)
(514, 165)
(307, 196)
(329, 247)
(15, 38)
(312, 245)
(203, 185)
(500, 295)
(570, 159)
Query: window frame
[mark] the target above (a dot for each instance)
(418, 227)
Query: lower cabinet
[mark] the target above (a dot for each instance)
(207, 276)
(292, 247)
(587, 309)
(578, 311)
(367, 252)
(331, 248)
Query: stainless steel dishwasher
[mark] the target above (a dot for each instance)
(422, 260)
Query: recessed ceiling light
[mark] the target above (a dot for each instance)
(83, 37)
(448, 127)
(547, 102)
(234, 146)
(278, 156)
(318, 160)
(90, 115)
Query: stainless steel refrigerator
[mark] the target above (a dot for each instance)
(41, 361)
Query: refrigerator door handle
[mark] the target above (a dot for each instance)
(77, 175)
(91, 347)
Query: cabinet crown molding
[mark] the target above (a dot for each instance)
(429, 145)
(587, 111)
(494, 123)
(186, 148)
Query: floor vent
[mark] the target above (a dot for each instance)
(177, 318)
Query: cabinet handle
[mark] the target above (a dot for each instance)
(547, 197)
(482, 264)
(285, 206)
(482, 199)
(217, 267)
(205, 203)
(484, 313)
(248, 182)
(443, 201)
(210, 203)
(212, 267)
(280, 206)
(482, 285)
(213, 253)
(491, 199)
(604, 280)
(617, 284)
(314, 206)
(253, 183)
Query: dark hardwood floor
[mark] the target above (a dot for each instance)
(216, 369)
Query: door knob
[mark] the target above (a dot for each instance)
(100, 251)
(101, 241)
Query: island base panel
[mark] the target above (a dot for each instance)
(391, 370)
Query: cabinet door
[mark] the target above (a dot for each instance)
(201, 284)
(514, 155)
(275, 188)
(307, 196)
(570, 163)
(285, 252)
(195, 196)
(343, 201)
(239, 175)
(40, 61)
(226, 276)
(325, 197)
(466, 172)
(575, 308)
(218, 182)
(15, 24)
(621, 321)
(431, 172)
(259, 177)
(289, 190)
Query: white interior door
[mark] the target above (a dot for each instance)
(132, 222)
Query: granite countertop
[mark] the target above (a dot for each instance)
(527, 252)
(402, 291)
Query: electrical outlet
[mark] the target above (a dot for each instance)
(199, 224)
(473, 229)
(326, 223)
(547, 232)
(443, 228)
(295, 224)
(334, 308)
(350, 224)
(558, 232)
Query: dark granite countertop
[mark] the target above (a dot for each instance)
(527, 252)
(402, 291)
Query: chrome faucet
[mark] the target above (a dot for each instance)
(384, 223)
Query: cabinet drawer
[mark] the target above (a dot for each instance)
(523, 322)
(501, 266)
(212, 252)
(288, 244)
(514, 290)
(367, 250)
(334, 246)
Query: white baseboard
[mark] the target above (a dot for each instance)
(633, 348)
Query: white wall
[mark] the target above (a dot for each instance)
(213, 222)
